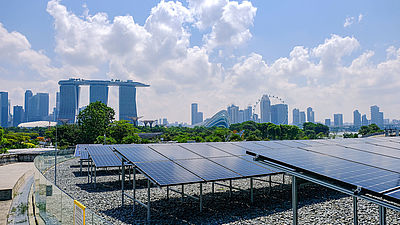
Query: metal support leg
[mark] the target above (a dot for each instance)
(251, 190)
(382, 215)
(201, 197)
(167, 192)
(91, 171)
(283, 178)
(230, 188)
(183, 193)
(148, 201)
(270, 184)
(88, 172)
(355, 211)
(123, 180)
(212, 187)
(80, 166)
(95, 175)
(134, 187)
(294, 199)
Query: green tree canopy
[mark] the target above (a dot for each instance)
(94, 120)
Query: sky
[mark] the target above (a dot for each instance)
(334, 56)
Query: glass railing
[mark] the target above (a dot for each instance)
(53, 205)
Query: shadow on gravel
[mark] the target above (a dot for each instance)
(220, 208)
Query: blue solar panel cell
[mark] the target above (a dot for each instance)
(376, 149)
(103, 156)
(84, 155)
(207, 169)
(242, 166)
(229, 148)
(390, 144)
(174, 151)
(249, 145)
(394, 194)
(139, 153)
(332, 167)
(167, 173)
(367, 158)
(205, 150)
(271, 144)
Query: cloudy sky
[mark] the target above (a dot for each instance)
(334, 56)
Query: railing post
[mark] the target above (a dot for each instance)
(294, 199)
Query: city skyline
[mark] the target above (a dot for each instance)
(333, 59)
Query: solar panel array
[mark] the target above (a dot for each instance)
(172, 164)
(370, 163)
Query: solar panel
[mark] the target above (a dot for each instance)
(80, 147)
(376, 149)
(242, 166)
(205, 150)
(84, 154)
(390, 144)
(167, 173)
(394, 194)
(312, 142)
(139, 153)
(173, 151)
(367, 158)
(292, 143)
(371, 178)
(228, 148)
(249, 145)
(207, 169)
(271, 144)
(103, 156)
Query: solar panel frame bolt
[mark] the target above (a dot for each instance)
(358, 190)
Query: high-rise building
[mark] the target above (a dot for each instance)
(302, 118)
(69, 96)
(248, 113)
(265, 109)
(18, 115)
(310, 115)
(328, 122)
(356, 118)
(199, 117)
(57, 108)
(165, 121)
(4, 109)
(376, 116)
(99, 92)
(194, 113)
(338, 120)
(364, 120)
(38, 107)
(279, 114)
(241, 116)
(28, 95)
(296, 116)
(233, 114)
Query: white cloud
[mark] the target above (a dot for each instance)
(348, 21)
(360, 17)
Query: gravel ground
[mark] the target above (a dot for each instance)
(317, 205)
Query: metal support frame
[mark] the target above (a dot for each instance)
(382, 215)
(182, 192)
(212, 187)
(251, 190)
(383, 205)
(294, 200)
(201, 197)
(355, 211)
(230, 188)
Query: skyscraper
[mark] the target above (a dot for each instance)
(38, 107)
(338, 120)
(296, 116)
(199, 117)
(28, 95)
(127, 102)
(376, 116)
(279, 114)
(302, 118)
(233, 113)
(3, 109)
(248, 113)
(364, 120)
(194, 113)
(241, 116)
(356, 118)
(18, 116)
(99, 92)
(310, 115)
(328, 122)
(265, 109)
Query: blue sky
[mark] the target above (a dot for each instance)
(237, 58)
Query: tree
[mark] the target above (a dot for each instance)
(94, 120)
(370, 129)
(121, 129)
(134, 138)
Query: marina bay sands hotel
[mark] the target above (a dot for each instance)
(70, 90)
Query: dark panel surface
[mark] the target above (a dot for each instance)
(174, 151)
(229, 148)
(371, 178)
(377, 149)
(207, 170)
(139, 153)
(205, 150)
(167, 173)
(242, 166)
(103, 156)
